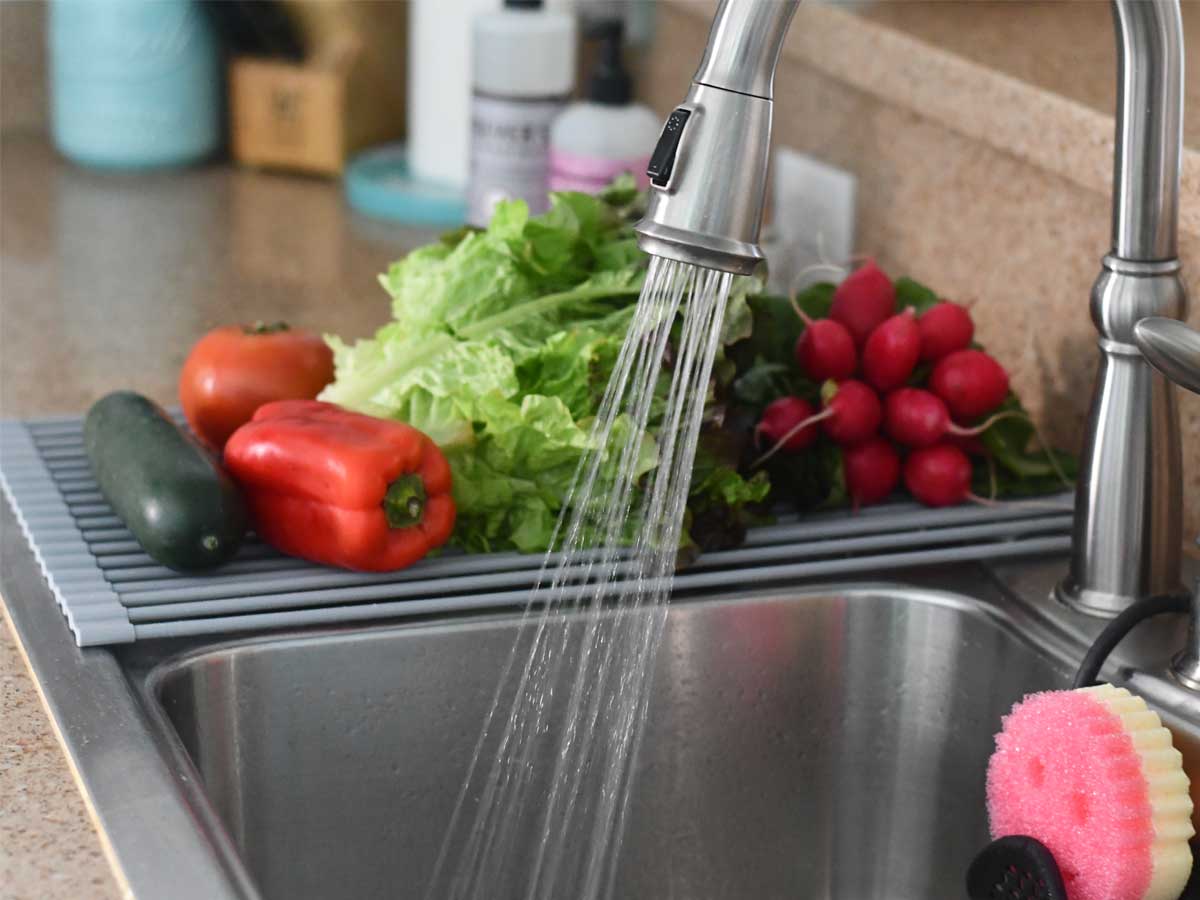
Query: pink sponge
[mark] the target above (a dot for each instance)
(1093, 775)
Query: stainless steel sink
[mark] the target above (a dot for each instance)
(816, 741)
(832, 742)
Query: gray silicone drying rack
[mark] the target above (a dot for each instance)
(111, 592)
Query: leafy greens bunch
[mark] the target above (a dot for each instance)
(500, 348)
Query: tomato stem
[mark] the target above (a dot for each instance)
(404, 502)
(261, 327)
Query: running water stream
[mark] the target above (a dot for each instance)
(542, 810)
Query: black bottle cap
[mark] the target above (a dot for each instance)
(609, 82)
(523, 4)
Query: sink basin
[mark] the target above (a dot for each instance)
(822, 743)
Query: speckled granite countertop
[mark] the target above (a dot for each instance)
(105, 282)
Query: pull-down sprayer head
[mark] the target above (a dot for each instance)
(709, 170)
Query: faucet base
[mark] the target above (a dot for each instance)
(1128, 542)
(1091, 602)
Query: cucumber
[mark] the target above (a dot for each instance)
(182, 507)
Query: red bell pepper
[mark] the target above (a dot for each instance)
(340, 488)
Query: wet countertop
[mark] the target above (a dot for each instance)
(105, 282)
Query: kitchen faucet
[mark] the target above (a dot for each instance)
(709, 176)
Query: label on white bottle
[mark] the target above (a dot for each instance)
(510, 153)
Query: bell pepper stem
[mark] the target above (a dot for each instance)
(404, 502)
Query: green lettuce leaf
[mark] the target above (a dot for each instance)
(509, 487)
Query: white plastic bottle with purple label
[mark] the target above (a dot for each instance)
(523, 71)
(607, 134)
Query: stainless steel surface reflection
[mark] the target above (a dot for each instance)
(823, 744)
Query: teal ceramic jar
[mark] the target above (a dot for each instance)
(134, 83)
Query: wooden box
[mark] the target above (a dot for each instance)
(311, 117)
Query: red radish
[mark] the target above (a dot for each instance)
(891, 352)
(787, 424)
(863, 300)
(872, 471)
(852, 414)
(945, 327)
(826, 350)
(938, 475)
(917, 418)
(971, 382)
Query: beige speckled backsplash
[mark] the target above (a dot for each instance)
(1013, 217)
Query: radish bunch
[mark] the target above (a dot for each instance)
(902, 395)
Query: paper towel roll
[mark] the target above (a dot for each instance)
(439, 87)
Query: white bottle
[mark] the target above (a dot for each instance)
(594, 141)
(524, 69)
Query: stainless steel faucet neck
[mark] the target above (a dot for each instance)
(1149, 140)
(744, 44)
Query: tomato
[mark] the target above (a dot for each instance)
(235, 369)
